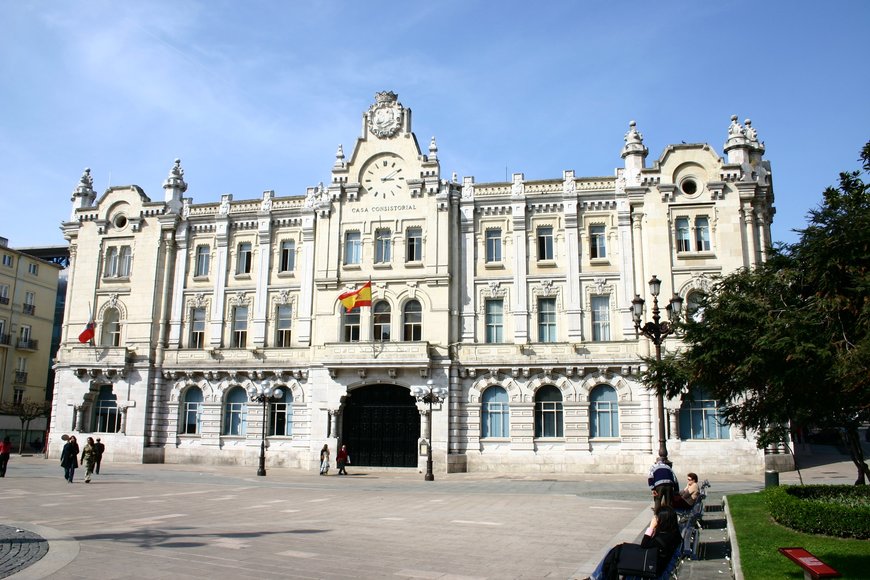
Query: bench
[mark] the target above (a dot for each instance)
(690, 523)
(813, 567)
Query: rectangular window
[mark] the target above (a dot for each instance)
(283, 325)
(24, 334)
(414, 245)
(4, 338)
(203, 255)
(600, 318)
(351, 325)
(494, 321)
(682, 232)
(192, 417)
(243, 266)
(240, 326)
(702, 419)
(7, 260)
(4, 294)
(288, 256)
(33, 268)
(493, 245)
(352, 248)
(546, 320)
(111, 266)
(125, 259)
(18, 396)
(597, 242)
(383, 246)
(280, 423)
(702, 234)
(29, 307)
(197, 328)
(545, 243)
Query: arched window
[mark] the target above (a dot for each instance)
(701, 418)
(413, 323)
(192, 410)
(236, 412)
(281, 415)
(111, 329)
(603, 412)
(495, 417)
(693, 305)
(107, 419)
(381, 320)
(548, 412)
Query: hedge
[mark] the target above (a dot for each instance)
(832, 510)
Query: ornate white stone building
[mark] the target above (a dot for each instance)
(514, 296)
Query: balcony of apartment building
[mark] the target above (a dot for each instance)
(28, 344)
(4, 300)
(5, 340)
(28, 308)
(20, 378)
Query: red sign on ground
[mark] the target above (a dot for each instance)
(810, 563)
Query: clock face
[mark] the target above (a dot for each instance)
(385, 176)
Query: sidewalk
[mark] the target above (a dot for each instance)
(718, 550)
(189, 521)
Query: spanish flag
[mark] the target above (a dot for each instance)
(360, 297)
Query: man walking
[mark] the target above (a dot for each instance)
(99, 448)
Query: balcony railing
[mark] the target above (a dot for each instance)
(4, 300)
(28, 344)
(29, 308)
(21, 377)
(4, 339)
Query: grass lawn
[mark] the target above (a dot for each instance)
(758, 538)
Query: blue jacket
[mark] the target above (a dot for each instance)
(660, 474)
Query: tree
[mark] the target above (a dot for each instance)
(27, 411)
(788, 342)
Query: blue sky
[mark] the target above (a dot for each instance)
(258, 95)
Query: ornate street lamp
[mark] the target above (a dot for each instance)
(266, 394)
(429, 394)
(657, 331)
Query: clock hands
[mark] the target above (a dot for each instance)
(389, 176)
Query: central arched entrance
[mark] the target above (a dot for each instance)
(381, 426)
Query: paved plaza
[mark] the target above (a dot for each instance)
(186, 521)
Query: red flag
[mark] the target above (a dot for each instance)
(87, 334)
(360, 297)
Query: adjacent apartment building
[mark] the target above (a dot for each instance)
(514, 296)
(28, 292)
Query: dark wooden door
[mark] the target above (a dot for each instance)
(381, 426)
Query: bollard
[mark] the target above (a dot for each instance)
(771, 478)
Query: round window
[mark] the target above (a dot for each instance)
(120, 221)
(689, 186)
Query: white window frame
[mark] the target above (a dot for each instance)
(493, 246)
(288, 256)
(239, 336)
(494, 321)
(597, 242)
(546, 246)
(414, 244)
(245, 260)
(352, 248)
(599, 307)
(197, 328)
(202, 261)
(283, 325)
(383, 246)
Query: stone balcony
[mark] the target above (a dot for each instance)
(94, 360)
(571, 356)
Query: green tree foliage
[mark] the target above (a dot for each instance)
(788, 342)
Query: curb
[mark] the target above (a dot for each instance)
(736, 567)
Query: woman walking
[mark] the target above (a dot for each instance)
(5, 450)
(69, 458)
(324, 459)
(89, 458)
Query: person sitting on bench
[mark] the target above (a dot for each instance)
(663, 534)
(689, 495)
